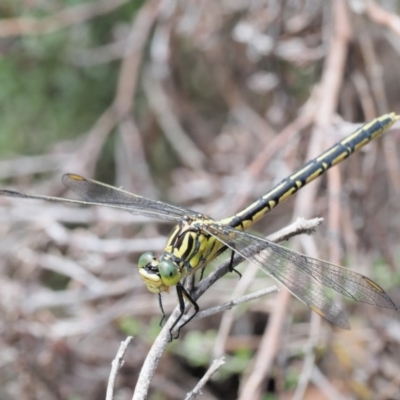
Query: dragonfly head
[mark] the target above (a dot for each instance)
(158, 275)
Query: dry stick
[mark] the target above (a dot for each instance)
(300, 225)
(383, 17)
(214, 367)
(364, 95)
(126, 88)
(241, 197)
(187, 151)
(134, 166)
(85, 159)
(69, 16)
(334, 187)
(334, 193)
(229, 317)
(334, 209)
(332, 76)
(309, 358)
(231, 93)
(74, 298)
(64, 266)
(135, 45)
(116, 366)
(83, 325)
(233, 303)
(32, 165)
(163, 339)
(304, 119)
(185, 148)
(375, 72)
(320, 381)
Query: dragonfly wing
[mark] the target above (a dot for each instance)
(304, 276)
(100, 194)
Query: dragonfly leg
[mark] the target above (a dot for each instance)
(202, 273)
(182, 294)
(231, 268)
(162, 310)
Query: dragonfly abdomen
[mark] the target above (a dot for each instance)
(310, 171)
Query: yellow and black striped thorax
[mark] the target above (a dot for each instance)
(189, 247)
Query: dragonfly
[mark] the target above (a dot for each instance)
(198, 239)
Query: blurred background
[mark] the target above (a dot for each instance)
(206, 105)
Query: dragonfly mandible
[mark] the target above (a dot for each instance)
(197, 239)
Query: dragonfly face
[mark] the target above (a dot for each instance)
(149, 272)
(189, 248)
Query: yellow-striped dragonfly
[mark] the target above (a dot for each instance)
(197, 239)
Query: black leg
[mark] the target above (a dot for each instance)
(182, 294)
(162, 309)
(202, 273)
(231, 264)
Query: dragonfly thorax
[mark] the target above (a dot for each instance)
(189, 248)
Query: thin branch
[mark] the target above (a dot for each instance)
(309, 362)
(185, 148)
(321, 382)
(116, 366)
(330, 88)
(153, 357)
(214, 367)
(20, 166)
(233, 303)
(383, 17)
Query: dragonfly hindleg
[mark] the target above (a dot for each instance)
(231, 267)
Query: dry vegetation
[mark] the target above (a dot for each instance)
(214, 103)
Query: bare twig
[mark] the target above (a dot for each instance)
(214, 367)
(233, 303)
(185, 148)
(331, 80)
(116, 365)
(383, 17)
(32, 165)
(85, 159)
(320, 381)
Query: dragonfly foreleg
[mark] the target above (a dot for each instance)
(202, 273)
(162, 309)
(182, 293)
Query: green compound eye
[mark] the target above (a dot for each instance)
(169, 273)
(145, 259)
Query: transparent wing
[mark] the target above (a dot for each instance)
(100, 194)
(305, 277)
